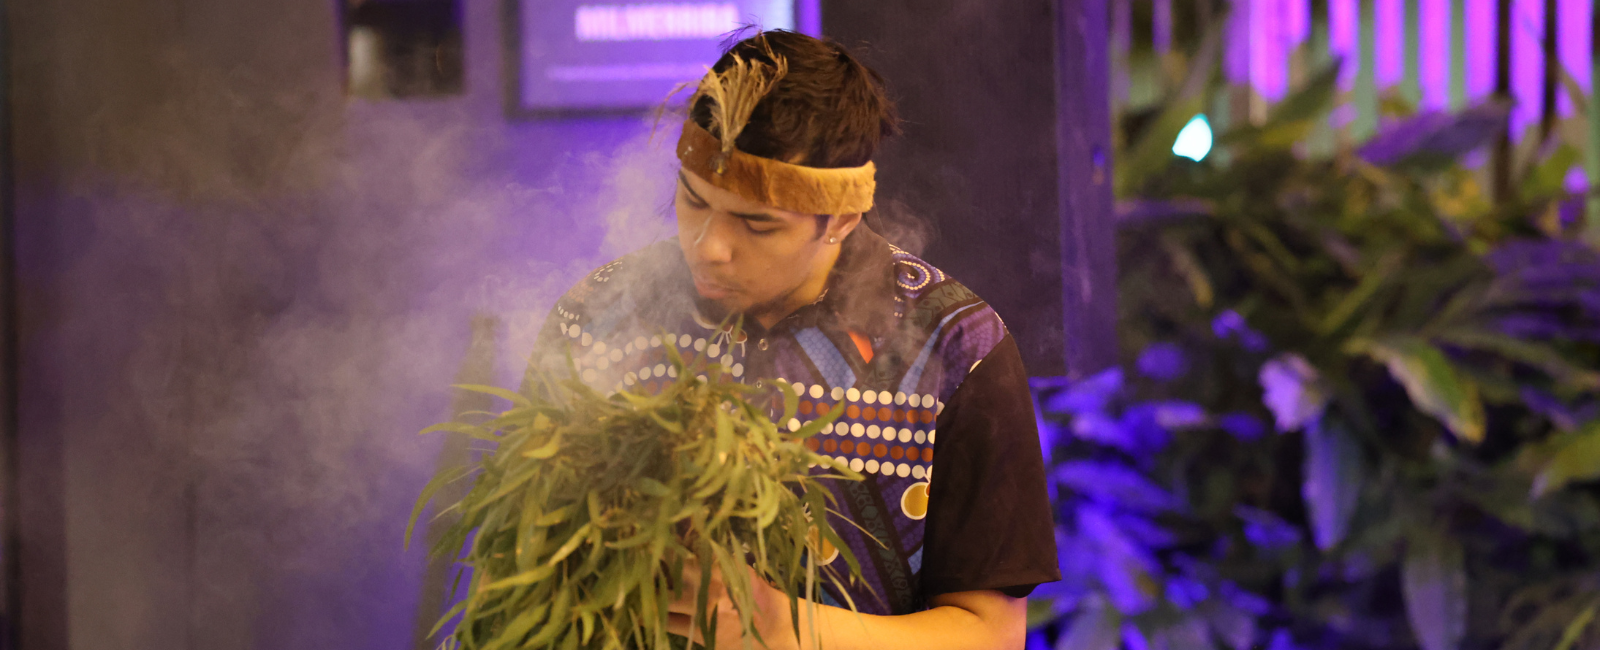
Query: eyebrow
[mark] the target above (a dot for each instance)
(747, 216)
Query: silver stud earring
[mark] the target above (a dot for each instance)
(833, 240)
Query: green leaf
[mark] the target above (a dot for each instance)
(1531, 353)
(1434, 579)
(463, 428)
(570, 545)
(514, 397)
(1573, 457)
(585, 504)
(1312, 100)
(445, 477)
(521, 579)
(1153, 152)
(1574, 630)
(546, 450)
(1334, 472)
(1548, 177)
(1380, 276)
(1431, 381)
(653, 487)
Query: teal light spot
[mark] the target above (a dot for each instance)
(1194, 141)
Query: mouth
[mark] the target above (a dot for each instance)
(711, 290)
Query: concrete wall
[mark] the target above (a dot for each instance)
(242, 294)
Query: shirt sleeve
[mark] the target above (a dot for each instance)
(989, 524)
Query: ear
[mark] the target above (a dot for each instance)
(841, 225)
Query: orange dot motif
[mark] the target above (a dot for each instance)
(848, 446)
(852, 411)
(914, 501)
(880, 449)
(897, 453)
(805, 407)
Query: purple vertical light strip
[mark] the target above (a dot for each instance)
(1236, 52)
(1433, 54)
(1259, 42)
(1480, 49)
(808, 17)
(1161, 26)
(1389, 23)
(1527, 63)
(1573, 47)
(1269, 59)
(1342, 39)
(1297, 22)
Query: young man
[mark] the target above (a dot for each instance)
(776, 174)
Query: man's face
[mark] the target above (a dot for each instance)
(745, 256)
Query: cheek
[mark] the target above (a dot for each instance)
(784, 264)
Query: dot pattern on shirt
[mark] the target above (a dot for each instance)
(892, 439)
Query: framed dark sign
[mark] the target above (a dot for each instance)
(575, 57)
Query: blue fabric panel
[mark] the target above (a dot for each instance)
(835, 370)
(908, 385)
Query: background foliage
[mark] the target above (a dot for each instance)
(1360, 408)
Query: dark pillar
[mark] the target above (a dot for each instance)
(1500, 166)
(1088, 232)
(10, 528)
(978, 85)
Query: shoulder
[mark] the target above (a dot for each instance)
(954, 324)
(597, 303)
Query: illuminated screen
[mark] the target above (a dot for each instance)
(582, 55)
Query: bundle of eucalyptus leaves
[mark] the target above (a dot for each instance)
(586, 508)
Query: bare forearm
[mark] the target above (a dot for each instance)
(973, 621)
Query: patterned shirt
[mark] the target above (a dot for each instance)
(932, 383)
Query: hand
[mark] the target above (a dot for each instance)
(771, 618)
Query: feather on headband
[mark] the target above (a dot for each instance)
(734, 94)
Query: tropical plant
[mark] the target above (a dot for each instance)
(585, 510)
(1361, 407)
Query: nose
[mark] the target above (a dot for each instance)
(713, 244)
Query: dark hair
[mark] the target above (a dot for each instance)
(830, 110)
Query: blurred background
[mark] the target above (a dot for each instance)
(1309, 289)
